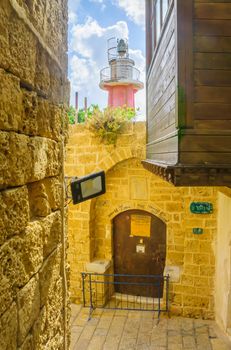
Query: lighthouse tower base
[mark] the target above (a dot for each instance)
(121, 95)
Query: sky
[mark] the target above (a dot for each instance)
(91, 24)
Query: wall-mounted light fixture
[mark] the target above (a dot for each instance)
(88, 187)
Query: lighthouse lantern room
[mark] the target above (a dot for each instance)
(121, 78)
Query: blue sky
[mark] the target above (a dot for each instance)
(91, 24)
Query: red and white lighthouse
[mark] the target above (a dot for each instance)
(121, 78)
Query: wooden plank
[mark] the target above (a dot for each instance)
(167, 44)
(212, 94)
(166, 60)
(167, 70)
(161, 85)
(212, 77)
(212, 125)
(184, 82)
(205, 143)
(167, 108)
(216, 158)
(148, 33)
(212, 44)
(213, 111)
(169, 144)
(163, 129)
(212, 28)
(212, 60)
(164, 98)
(212, 10)
(170, 158)
(165, 40)
(211, 1)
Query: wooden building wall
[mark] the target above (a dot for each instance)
(189, 86)
(210, 140)
(161, 96)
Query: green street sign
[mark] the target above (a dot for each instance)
(201, 208)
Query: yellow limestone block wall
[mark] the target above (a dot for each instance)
(33, 84)
(223, 262)
(85, 155)
(130, 186)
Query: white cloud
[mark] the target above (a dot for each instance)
(90, 38)
(72, 17)
(140, 97)
(101, 3)
(134, 9)
(88, 55)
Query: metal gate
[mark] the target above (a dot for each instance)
(99, 292)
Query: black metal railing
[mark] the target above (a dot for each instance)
(126, 292)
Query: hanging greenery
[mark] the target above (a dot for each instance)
(108, 124)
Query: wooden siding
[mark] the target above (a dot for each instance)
(161, 96)
(189, 95)
(210, 140)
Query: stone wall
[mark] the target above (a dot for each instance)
(223, 262)
(33, 88)
(85, 155)
(130, 186)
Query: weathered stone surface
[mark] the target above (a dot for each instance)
(54, 307)
(8, 329)
(5, 12)
(35, 11)
(10, 101)
(21, 257)
(44, 196)
(33, 66)
(28, 302)
(22, 45)
(28, 343)
(24, 159)
(39, 202)
(54, 191)
(24, 111)
(6, 294)
(52, 229)
(49, 276)
(29, 123)
(45, 158)
(40, 333)
(56, 34)
(42, 77)
(49, 120)
(47, 334)
(15, 160)
(14, 212)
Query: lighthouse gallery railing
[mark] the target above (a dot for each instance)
(119, 72)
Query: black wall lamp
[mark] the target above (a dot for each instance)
(87, 187)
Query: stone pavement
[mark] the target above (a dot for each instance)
(137, 330)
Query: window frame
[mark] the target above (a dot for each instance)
(152, 42)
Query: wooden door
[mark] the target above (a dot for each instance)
(139, 249)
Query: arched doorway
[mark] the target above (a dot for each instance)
(139, 240)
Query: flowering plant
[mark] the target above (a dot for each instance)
(107, 124)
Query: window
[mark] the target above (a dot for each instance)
(158, 11)
(165, 4)
(158, 19)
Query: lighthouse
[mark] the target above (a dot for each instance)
(121, 79)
